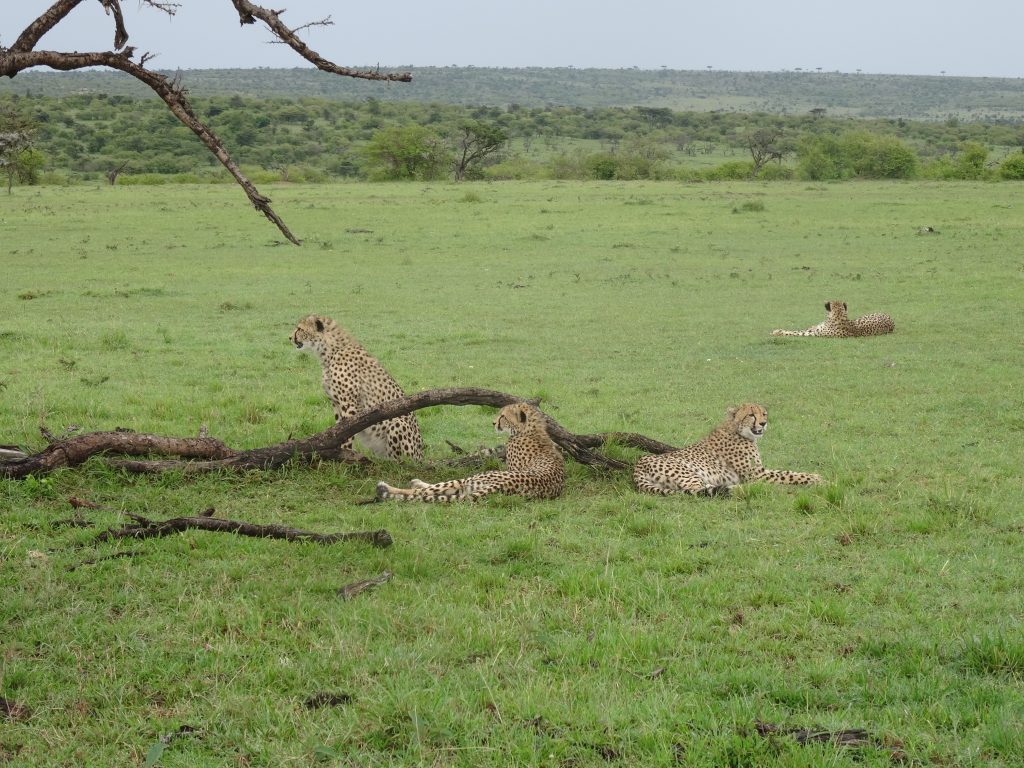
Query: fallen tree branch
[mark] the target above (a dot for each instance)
(214, 455)
(73, 451)
(144, 528)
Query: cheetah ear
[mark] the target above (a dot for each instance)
(731, 412)
(828, 306)
(522, 415)
(319, 325)
(844, 305)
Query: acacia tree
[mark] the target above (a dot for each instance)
(764, 147)
(16, 133)
(22, 55)
(474, 142)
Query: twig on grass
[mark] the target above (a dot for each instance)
(351, 590)
(847, 737)
(111, 556)
(144, 528)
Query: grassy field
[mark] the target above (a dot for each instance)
(604, 628)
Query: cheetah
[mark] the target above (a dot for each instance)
(536, 468)
(721, 461)
(839, 325)
(356, 382)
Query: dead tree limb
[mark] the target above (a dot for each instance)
(22, 55)
(75, 450)
(214, 455)
(144, 528)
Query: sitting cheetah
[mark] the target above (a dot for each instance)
(721, 461)
(356, 383)
(838, 324)
(536, 468)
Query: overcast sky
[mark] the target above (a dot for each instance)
(921, 37)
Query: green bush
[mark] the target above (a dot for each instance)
(735, 170)
(1012, 168)
(515, 167)
(877, 157)
(775, 172)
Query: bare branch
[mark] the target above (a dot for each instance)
(248, 13)
(173, 95)
(120, 33)
(22, 55)
(169, 8)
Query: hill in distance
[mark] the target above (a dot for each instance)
(841, 94)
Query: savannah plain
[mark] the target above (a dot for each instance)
(602, 628)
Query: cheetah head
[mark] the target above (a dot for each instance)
(517, 418)
(749, 420)
(836, 310)
(309, 333)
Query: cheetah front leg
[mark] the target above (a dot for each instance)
(815, 331)
(344, 410)
(785, 477)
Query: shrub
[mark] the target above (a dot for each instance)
(516, 167)
(1012, 168)
(736, 170)
(775, 172)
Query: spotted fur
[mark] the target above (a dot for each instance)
(837, 324)
(724, 459)
(536, 468)
(356, 382)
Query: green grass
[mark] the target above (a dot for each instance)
(604, 628)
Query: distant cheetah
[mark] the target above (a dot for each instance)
(839, 325)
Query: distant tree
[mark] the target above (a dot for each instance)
(407, 152)
(21, 55)
(16, 138)
(764, 147)
(475, 142)
(1012, 168)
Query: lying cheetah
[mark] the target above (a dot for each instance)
(356, 383)
(838, 324)
(721, 461)
(536, 468)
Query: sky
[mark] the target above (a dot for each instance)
(915, 37)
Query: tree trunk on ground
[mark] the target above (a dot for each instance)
(214, 455)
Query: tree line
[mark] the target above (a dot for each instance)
(88, 136)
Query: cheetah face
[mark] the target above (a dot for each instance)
(515, 418)
(307, 332)
(750, 420)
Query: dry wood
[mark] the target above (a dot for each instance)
(846, 737)
(351, 590)
(144, 528)
(21, 55)
(215, 456)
